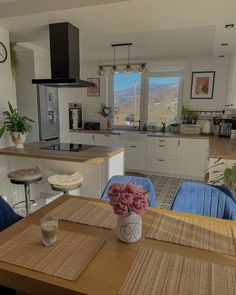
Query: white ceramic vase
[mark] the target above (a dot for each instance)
(129, 228)
(18, 139)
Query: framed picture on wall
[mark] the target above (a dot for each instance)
(94, 91)
(202, 86)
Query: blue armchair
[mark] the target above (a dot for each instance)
(206, 200)
(7, 215)
(145, 182)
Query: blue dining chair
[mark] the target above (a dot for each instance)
(206, 200)
(7, 215)
(145, 182)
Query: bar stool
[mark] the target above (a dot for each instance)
(65, 183)
(25, 177)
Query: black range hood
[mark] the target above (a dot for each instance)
(65, 58)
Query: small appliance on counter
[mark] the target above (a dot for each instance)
(206, 129)
(225, 126)
(75, 116)
(92, 125)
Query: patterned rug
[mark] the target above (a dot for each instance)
(165, 188)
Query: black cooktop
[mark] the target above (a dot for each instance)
(69, 147)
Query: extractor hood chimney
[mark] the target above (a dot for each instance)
(65, 58)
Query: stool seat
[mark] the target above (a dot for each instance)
(65, 183)
(25, 175)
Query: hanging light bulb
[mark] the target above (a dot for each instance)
(128, 69)
(143, 68)
(114, 70)
(101, 71)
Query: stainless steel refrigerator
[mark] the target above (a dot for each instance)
(41, 104)
(48, 112)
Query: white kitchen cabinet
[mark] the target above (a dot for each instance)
(135, 156)
(83, 138)
(192, 157)
(106, 139)
(162, 153)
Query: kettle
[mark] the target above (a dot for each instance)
(206, 127)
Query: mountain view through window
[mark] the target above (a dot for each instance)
(163, 97)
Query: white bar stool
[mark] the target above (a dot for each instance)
(65, 183)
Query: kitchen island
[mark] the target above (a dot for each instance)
(97, 164)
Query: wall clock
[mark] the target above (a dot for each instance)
(3, 53)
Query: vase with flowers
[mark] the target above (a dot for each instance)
(128, 200)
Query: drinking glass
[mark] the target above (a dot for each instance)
(49, 228)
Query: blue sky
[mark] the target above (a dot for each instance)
(124, 81)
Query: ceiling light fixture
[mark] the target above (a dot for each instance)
(229, 26)
(128, 67)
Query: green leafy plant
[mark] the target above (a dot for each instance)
(227, 177)
(163, 128)
(15, 62)
(188, 116)
(14, 122)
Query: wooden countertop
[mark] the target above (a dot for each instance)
(222, 147)
(106, 272)
(95, 155)
(149, 133)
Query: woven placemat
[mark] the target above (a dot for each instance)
(195, 232)
(66, 259)
(86, 212)
(154, 272)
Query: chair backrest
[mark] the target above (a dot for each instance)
(204, 199)
(7, 215)
(145, 182)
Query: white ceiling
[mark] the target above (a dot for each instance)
(158, 29)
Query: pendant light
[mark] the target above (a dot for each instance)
(114, 68)
(128, 68)
(143, 68)
(101, 71)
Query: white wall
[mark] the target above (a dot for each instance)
(91, 105)
(7, 93)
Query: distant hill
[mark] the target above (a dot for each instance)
(162, 104)
(125, 95)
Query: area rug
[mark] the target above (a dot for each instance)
(166, 188)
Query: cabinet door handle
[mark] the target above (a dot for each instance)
(161, 145)
(107, 135)
(160, 160)
(133, 146)
(178, 142)
(93, 137)
(161, 140)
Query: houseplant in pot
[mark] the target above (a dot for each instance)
(128, 200)
(17, 125)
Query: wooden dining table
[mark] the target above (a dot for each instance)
(108, 269)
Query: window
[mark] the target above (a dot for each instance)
(163, 99)
(127, 89)
(152, 98)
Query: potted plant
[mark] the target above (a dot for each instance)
(128, 201)
(106, 112)
(226, 177)
(17, 125)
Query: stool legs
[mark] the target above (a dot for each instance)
(27, 198)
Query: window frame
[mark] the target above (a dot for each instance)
(144, 95)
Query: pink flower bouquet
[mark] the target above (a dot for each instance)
(127, 197)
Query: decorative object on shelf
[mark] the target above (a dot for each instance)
(17, 125)
(94, 91)
(163, 128)
(15, 62)
(202, 86)
(3, 53)
(127, 67)
(227, 177)
(128, 200)
(106, 112)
